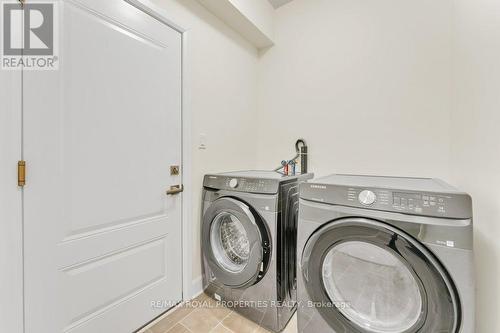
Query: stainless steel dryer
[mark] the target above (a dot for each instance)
(383, 254)
(249, 243)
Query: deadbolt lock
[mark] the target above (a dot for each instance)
(174, 170)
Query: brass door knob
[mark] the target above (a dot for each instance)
(175, 189)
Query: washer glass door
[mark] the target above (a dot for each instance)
(235, 242)
(381, 293)
(230, 242)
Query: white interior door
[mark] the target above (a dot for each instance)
(102, 238)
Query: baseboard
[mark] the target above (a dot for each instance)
(196, 287)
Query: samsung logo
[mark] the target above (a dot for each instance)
(321, 187)
(212, 177)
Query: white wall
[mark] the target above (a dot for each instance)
(221, 81)
(393, 87)
(476, 144)
(366, 83)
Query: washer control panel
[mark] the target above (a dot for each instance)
(249, 185)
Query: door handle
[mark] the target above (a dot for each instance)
(175, 189)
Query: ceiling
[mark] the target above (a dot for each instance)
(279, 3)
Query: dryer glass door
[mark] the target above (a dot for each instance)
(384, 298)
(377, 279)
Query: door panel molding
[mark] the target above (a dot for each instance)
(119, 263)
(115, 226)
(116, 24)
(127, 242)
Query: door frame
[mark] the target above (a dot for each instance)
(14, 220)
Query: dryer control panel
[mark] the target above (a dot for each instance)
(426, 203)
(405, 202)
(419, 203)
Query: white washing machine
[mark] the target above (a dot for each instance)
(248, 234)
(384, 255)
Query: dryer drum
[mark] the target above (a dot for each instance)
(365, 276)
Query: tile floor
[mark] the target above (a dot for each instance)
(190, 318)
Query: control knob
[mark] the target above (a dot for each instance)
(367, 197)
(233, 183)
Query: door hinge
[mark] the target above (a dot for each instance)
(21, 173)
